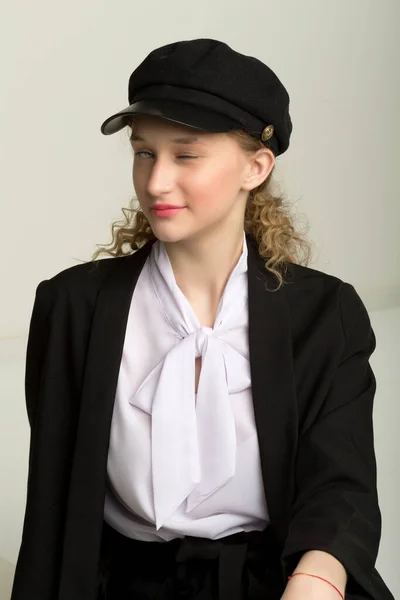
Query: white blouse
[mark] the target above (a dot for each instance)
(180, 463)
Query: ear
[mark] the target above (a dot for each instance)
(260, 165)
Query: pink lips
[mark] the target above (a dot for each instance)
(166, 210)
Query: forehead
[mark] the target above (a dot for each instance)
(144, 126)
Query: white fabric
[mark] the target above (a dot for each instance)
(179, 465)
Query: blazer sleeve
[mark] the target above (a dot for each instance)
(336, 504)
(36, 348)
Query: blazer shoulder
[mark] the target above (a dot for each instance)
(312, 293)
(314, 280)
(90, 276)
(305, 279)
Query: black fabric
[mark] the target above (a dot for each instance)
(208, 75)
(237, 567)
(312, 391)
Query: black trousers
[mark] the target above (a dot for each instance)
(244, 566)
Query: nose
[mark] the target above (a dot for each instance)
(161, 177)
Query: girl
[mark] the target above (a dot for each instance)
(201, 406)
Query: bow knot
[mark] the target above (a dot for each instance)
(201, 338)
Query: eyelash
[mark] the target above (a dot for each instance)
(182, 156)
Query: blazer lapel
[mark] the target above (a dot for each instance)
(82, 539)
(273, 389)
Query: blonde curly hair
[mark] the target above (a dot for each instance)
(267, 219)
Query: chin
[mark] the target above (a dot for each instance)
(165, 234)
(168, 230)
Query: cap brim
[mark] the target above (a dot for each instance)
(177, 112)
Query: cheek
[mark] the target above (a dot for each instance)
(138, 177)
(212, 187)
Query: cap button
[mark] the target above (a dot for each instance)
(267, 133)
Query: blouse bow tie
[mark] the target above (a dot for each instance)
(193, 442)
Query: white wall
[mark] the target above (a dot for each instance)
(65, 68)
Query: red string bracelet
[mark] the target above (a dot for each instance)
(321, 578)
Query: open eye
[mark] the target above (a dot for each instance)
(145, 154)
(140, 154)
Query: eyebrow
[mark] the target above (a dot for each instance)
(182, 140)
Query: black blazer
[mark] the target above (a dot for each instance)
(312, 388)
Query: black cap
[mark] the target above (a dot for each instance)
(207, 85)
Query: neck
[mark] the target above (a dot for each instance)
(202, 268)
